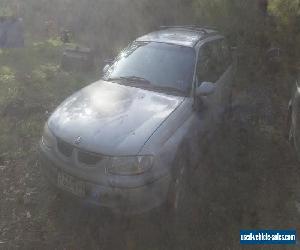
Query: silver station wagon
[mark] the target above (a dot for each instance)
(130, 141)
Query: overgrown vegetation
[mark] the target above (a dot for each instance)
(32, 84)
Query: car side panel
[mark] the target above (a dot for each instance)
(184, 126)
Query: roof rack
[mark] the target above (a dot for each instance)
(191, 27)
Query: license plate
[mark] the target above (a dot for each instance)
(71, 184)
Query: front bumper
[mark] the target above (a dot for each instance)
(121, 200)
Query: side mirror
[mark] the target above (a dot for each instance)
(205, 89)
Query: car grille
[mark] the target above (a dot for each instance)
(88, 158)
(65, 148)
(84, 157)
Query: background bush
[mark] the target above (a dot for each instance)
(32, 83)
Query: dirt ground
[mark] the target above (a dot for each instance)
(251, 182)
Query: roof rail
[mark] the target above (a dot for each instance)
(210, 27)
(191, 27)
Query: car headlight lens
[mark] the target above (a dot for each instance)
(130, 165)
(48, 138)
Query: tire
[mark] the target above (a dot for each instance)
(293, 140)
(228, 113)
(289, 126)
(290, 133)
(178, 200)
(229, 110)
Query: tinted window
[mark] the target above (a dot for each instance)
(164, 65)
(226, 53)
(214, 59)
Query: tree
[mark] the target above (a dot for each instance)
(286, 15)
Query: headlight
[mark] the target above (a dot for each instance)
(130, 165)
(48, 138)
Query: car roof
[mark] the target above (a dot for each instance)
(187, 36)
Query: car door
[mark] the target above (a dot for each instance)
(215, 65)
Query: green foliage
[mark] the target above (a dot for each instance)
(246, 26)
(32, 84)
(10, 88)
(6, 75)
(287, 17)
(285, 10)
(5, 9)
(45, 72)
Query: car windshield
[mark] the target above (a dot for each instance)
(160, 66)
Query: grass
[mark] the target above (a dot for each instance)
(32, 84)
(249, 187)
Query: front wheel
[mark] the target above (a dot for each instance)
(290, 135)
(178, 205)
(229, 108)
(293, 139)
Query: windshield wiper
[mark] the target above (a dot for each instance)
(145, 84)
(134, 79)
(169, 90)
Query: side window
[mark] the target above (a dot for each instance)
(204, 66)
(214, 59)
(226, 51)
